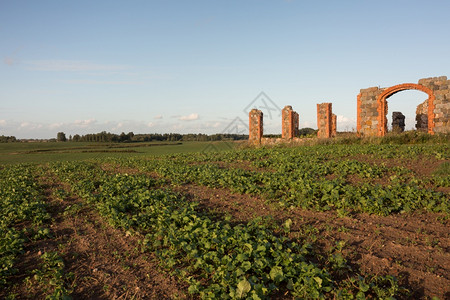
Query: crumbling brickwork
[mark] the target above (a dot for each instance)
(333, 125)
(439, 107)
(422, 116)
(289, 123)
(398, 122)
(372, 106)
(324, 120)
(255, 117)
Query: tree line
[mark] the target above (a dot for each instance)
(7, 139)
(148, 137)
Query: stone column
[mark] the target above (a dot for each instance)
(324, 120)
(296, 124)
(333, 125)
(289, 123)
(255, 117)
(398, 122)
(422, 117)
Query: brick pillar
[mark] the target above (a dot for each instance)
(289, 123)
(255, 117)
(324, 120)
(296, 123)
(422, 116)
(333, 125)
(398, 122)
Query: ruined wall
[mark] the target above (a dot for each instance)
(372, 106)
(255, 120)
(289, 123)
(296, 122)
(367, 111)
(422, 116)
(333, 125)
(398, 122)
(441, 104)
(324, 120)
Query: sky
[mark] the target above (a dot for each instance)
(159, 66)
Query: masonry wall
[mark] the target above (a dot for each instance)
(369, 109)
(324, 120)
(422, 116)
(333, 125)
(441, 89)
(289, 123)
(255, 117)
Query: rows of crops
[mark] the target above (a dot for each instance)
(216, 257)
(315, 178)
(24, 218)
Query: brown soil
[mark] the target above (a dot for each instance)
(423, 166)
(413, 247)
(106, 263)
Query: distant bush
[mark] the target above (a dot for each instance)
(307, 131)
(7, 139)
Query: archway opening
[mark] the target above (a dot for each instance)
(410, 104)
(382, 105)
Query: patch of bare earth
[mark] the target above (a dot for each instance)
(413, 247)
(421, 165)
(105, 262)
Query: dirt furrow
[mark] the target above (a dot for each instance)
(106, 262)
(373, 243)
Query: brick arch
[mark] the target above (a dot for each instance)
(388, 92)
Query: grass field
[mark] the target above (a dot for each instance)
(42, 152)
(336, 221)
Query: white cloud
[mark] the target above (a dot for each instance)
(190, 117)
(150, 124)
(3, 122)
(118, 126)
(158, 117)
(342, 119)
(71, 66)
(308, 124)
(345, 123)
(85, 123)
(30, 126)
(55, 125)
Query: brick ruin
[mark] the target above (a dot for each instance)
(326, 121)
(289, 123)
(432, 116)
(422, 117)
(398, 122)
(255, 126)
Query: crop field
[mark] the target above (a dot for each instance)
(314, 222)
(39, 152)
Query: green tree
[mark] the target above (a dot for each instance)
(61, 137)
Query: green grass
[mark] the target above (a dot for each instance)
(443, 169)
(43, 152)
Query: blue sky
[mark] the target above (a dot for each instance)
(194, 66)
